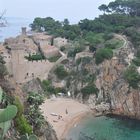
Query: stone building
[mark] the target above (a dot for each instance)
(14, 51)
(23, 70)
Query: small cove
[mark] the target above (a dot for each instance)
(105, 128)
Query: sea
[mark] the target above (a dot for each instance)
(105, 128)
(13, 27)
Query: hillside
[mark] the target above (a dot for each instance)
(95, 62)
(103, 58)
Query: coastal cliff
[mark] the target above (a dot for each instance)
(115, 95)
(123, 99)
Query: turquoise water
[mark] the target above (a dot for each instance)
(14, 27)
(105, 128)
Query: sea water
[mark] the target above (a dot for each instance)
(105, 128)
(13, 27)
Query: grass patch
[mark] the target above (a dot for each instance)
(132, 76)
(102, 54)
(114, 43)
(60, 72)
(54, 58)
(35, 57)
(89, 89)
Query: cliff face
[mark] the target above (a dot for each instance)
(115, 94)
(113, 89)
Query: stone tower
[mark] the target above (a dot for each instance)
(24, 31)
(17, 62)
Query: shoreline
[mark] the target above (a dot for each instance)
(72, 122)
(64, 114)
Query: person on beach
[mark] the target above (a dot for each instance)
(66, 111)
(59, 117)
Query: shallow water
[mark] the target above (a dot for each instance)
(105, 128)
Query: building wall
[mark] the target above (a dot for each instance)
(44, 43)
(23, 70)
(51, 53)
(35, 69)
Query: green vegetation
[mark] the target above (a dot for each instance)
(6, 116)
(62, 48)
(49, 89)
(77, 46)
(132, 76)
(89, 89)
(114, 43)
(54, 58)
(103, 54)
(119, 17)
(94, 40)
(31, 137)
(73, 51)
(56, 28)
(60, 72)
(19, 106)
(23, 125)
(35, 57)
(136, 60)
(33, 113)
(35, 99)
(3, 69)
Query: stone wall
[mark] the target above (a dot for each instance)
(83, 54)
(29, 70)
(23, 70)
(20, 68)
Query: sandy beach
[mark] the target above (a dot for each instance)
(63, 114)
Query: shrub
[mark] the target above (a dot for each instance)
(72, 52)
(103, 54)
(35, 99)
(51, 89)
(62, 48)
(114, 43)
(61, 72)
(60, 90)
(48, 88)
(46, 83)
(3, 70)
(23, 126)
(108, 36)
(89, 89)
(83, 60)
(19, 106)
(54, 58)
(78, 61)
(136, 61)
(35, 57)
(132, 76)
(35, 117)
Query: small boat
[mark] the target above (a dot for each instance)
(54, 114)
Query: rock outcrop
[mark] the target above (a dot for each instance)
(123, 99)
(113, 89)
